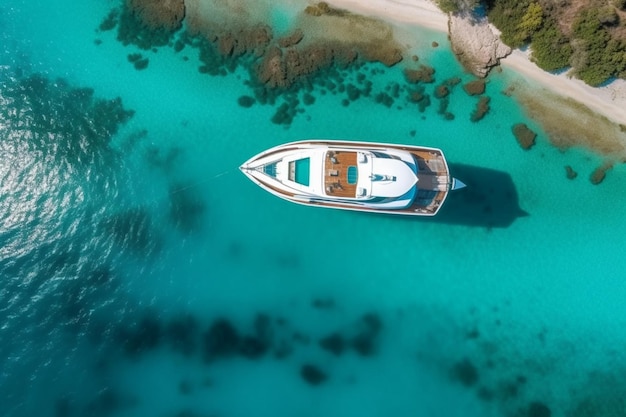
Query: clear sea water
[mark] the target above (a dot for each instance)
(142, 274)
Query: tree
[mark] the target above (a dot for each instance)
(551, 50)
(532, 19)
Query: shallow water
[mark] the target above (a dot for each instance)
(143, 274)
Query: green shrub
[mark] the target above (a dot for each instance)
(551, 50)
(602, 56)
(507, 16)
(448, 6)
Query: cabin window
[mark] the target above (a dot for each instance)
(270, 169)
(299, 171)
(353, 174)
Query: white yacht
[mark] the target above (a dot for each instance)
(363, 176)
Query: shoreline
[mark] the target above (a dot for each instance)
(606, 101)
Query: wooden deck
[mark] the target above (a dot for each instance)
(336, 166)
(433, 181)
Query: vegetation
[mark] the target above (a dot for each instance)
(590, 39)
(551, 49)
(452, 6)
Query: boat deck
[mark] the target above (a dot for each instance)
(336, 164)
(433, 181)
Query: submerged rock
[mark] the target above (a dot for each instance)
(538, 409)
(599, 174)
(424, 74)
(465, 372)
(221, 340)
(570, 173)
(163, 14)
(525, 137)
(474, 88)
(482, 107)
(312, 374)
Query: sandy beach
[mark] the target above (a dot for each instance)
(609, 101)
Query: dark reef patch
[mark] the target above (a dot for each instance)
(141, 337)
(364, 342)
(246, 101)
(482, 107)
(163, 160)
(465, 372)
(333, 343)
(138, 61)
(146, 24)
(221, 340)
(180, 334)
(312, 374)
(287, 72)
(186, 208)
(361, 337)
(67, 124)
(539, 409)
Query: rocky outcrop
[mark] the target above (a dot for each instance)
(159, 14)
(281, 68)
(475, 43)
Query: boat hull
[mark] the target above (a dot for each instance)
(433, 185)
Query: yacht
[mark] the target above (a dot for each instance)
(361, 176)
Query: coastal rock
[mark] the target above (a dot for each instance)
(159, 14)
(474, 42)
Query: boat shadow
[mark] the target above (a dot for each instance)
(489, 200)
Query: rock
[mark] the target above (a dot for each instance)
(482, 107)
(291, 40)
(474, 88)
(571, 174)
(525, 137)
(599, 174)
(474, 42)
(319, 9)
(423, 73)
(163, 14)
(435, 44)
(442, 91)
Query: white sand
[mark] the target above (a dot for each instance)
(609, 101)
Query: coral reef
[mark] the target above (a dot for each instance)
(159, 14)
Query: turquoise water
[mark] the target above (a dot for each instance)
(142, 274)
